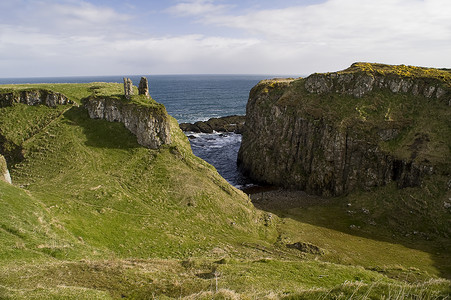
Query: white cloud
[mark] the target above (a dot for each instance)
(78, 38)
(392, 31)
(196, 8)
(347, 21)
(65, 17)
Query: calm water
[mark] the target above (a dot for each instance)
(190, 98)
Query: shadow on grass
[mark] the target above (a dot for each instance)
(101, 133)
(333, 213)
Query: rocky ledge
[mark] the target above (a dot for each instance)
(33, 97)
(362, 78)
(367, 126)
(222, 124)
(150, 123)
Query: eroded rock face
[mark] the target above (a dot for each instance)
(284, 145)
(149, 124)
(34, 97)
(360, 84)
(4, 173)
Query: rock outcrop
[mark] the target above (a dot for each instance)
(325, 134)
(358, 84)
(4, 173)
(149, 123)
(33, 97)
(223, 124)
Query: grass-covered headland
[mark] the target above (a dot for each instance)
(91, 214)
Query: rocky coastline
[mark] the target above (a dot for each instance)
(222, 124)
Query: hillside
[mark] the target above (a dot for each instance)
(94, 214)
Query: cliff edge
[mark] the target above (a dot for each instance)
(148, 120)
(363, 127)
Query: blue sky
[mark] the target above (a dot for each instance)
(298, 37)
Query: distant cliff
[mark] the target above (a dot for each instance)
(148, 121)
(363, 127)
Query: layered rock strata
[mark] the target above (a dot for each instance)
(290, 141)
(150, 124)
(34, 97)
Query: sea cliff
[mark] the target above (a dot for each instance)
(366, 126)
(150, 123)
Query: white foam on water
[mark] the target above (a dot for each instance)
(220, 150)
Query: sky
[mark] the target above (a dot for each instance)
(41, 38)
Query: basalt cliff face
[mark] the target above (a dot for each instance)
(150, 124)
(366, 126)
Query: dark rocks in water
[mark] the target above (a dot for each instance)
(204, 127)
(143, 88)
(223, 124)
(128, 87)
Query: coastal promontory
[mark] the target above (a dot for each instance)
(360, 128)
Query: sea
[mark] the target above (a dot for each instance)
(191, 98)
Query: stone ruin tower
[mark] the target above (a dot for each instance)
(128, 87)
(144, 87)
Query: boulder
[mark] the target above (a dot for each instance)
(4, 173)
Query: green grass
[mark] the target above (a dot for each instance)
(75, 92)
(93, 215)
(443, 75)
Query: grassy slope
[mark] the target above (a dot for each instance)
(102, 217)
